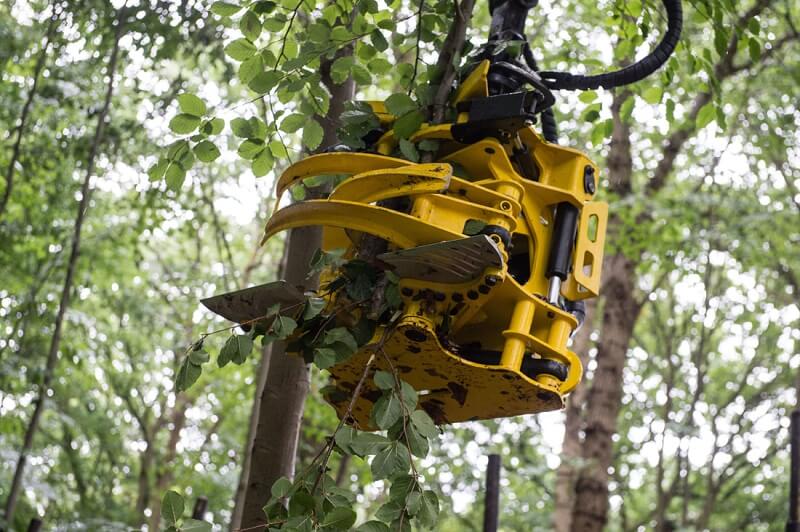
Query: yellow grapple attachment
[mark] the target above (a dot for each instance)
(478, 337)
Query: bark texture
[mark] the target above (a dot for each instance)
(571, 446)
(64, 301)
(280, 408)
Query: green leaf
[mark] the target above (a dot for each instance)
(423, 422)
(754, 49)
(378, 40)
(195, 525)
(157, 171)
(236, 349)
(340, 69)
(361, 75)
(386, 411)
(174, 176)
(413, 503)
(384, 380)
(198, 357)
(340, 518)
(409, 395)
(429, 509)
(587, 96)
(224, 9)
(367, 443)
(278, 149)
(417, 443)
(213, 126)
(653, 94)
(313, 306)
(172, 507)
(191, 104)
(400, 103)
(626, 109)
(187, 375)
(409, 151)
(325, 357)
(183, 123)
(250, 149)
(283, 326)
(263, 163)
(312, 135)
(266, 81)
(206, 151)
(390, 511)
(293, 122)
(281, 487)
(250, 68)
(343, 336)
(705, 115)
(250, 25)
(408, 124)
(391, 461)
(318, 33)
(372, 526)
(240, 49)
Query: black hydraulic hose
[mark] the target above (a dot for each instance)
(632, 73)
(548, 117)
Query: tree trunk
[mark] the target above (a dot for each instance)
(281, 404)
(55, 342)
(605, 395)
(241, 487)
(619, 316)
(571, 446)
(23, 118)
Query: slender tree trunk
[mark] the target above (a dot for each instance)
(571, 446)
(23, 118)
(55, 342)
(241, 488)
(166, 466)
(281, 404)
(619, 316)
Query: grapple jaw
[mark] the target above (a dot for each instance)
(481, 332)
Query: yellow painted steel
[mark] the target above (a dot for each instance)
(464, 346)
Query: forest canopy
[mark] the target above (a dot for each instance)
(142, 141)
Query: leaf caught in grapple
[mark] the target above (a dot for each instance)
(429, 509)
(409, 395)
(341, 335)
(172, 507)
(386, 411)
(391, 461)
(364, 330)
(384, 380)
(390, 511)
(423, 422)
(408, 124)
(312, 308)
(400, 103)
(361, 279)
(236, 349)
(187, 375)
(325, 357)
(340, 518)
(281, 487)
(417, 442)
(368, 443)
(283, 326)
(372, 526)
